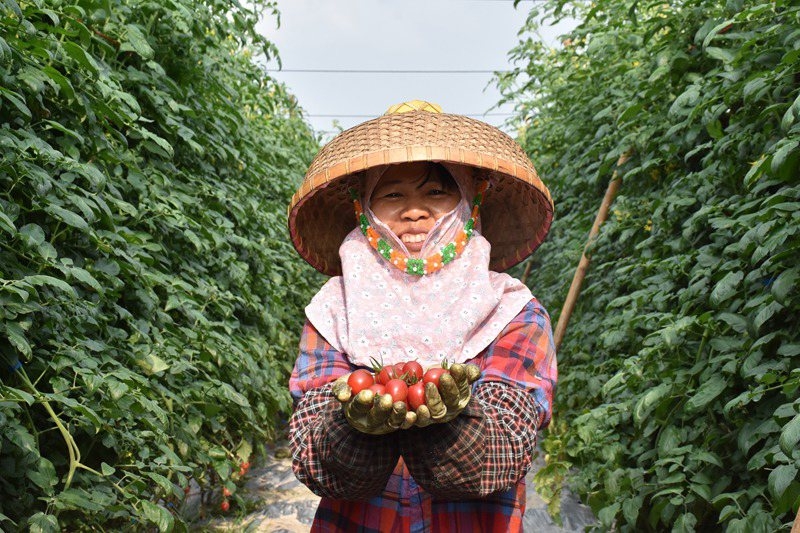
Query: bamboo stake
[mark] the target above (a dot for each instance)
(796, 526)
(583, 265)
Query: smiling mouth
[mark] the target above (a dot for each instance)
(411, 238)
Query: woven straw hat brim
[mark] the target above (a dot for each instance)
(517, 209)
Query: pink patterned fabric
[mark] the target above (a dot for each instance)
(374, 310)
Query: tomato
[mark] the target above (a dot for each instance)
(433, 375)
(416, 395)
(359, 380)
(398, 389)
(225, 506)
(378, 389)
(226, 492)
(398, 370)
(413, 371)
(385, 374)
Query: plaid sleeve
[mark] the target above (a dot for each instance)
(489, 446)
(328, 455)
(524, 357)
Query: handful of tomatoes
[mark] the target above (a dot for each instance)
(404, 395)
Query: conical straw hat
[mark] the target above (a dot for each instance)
(516, 212)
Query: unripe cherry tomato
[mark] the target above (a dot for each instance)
(359, 380)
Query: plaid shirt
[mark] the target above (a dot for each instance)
(465, 475)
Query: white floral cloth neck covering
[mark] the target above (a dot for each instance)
(375, 311)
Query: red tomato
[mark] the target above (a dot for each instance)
(378, 389)
(413, 370)
(416, 395)
(398, 370)
(433, 375)
(359, 380)
(398, 389)
(385, 374)
(225, 506)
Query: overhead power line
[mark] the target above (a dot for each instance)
(329, 115)
(383, 71)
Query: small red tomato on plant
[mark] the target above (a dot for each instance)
(416, 395)
(226, 492)
(397, 389)
(359, 380)
(413, 371)
(225, 506)
(433, 375)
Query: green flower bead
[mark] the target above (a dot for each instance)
(415, 267)
(384, 249)
(448, 253)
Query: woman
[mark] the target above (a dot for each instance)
(416, 278)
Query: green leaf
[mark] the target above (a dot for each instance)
(43, 523)
(44, 476)
(32, 234)
(136, 42)
(16, 336)
(790, 436)
(706, 393)
(648, 400)
(41, 279)
(153, 364)
(17, 101)
(780, 478)
(784, 157)
(67, 216)
(6, 224)
(723, 54)
(107, 469)
(85, 277)
(727, 287)
(156, 514)
(81, 56)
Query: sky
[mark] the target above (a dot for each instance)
(396, 35)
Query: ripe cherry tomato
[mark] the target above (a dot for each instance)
(398, 370)
(359, 380)
(226, 492)
(225, 506)
(398, 389)
(378, 389)
(385, 374)
(433, 375)
(413, 371)
(416, 395)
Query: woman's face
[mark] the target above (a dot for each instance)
(411, 198)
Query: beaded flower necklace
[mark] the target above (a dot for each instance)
(420, 266)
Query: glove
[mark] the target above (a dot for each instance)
(446, 402)
(370, 413)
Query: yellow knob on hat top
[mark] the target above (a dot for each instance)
(414, 105)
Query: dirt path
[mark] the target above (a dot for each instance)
(282, 504)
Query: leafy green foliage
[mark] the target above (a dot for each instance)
(680, 372)
(149, 297)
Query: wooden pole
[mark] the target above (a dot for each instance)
(583, 265)
(796, 526)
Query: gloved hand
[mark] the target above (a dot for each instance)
(451, 397)
(370, 414)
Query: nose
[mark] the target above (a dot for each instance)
(413, 213)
